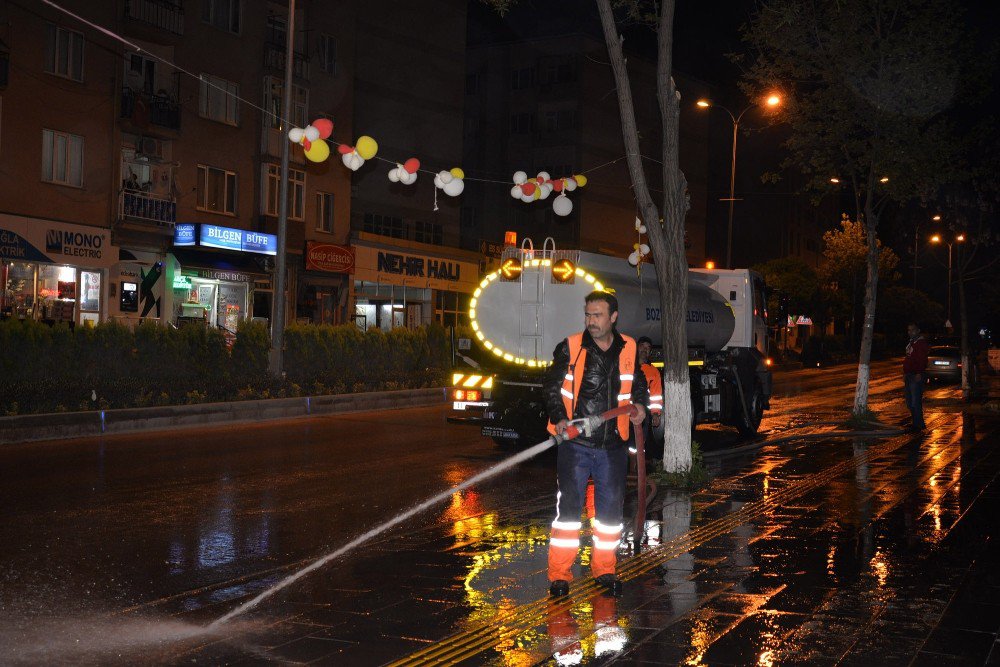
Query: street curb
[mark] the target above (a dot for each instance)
(56, 426)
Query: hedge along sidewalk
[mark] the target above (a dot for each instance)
(55, 426)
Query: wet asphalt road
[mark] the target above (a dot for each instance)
(119, 550)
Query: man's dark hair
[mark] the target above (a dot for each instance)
(914, 325)
(606, 297)
(644, 339)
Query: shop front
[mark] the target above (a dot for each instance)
(54, 271)
(325, 284)
(212, 273)
(411, 285)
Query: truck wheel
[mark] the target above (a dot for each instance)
(755, 408)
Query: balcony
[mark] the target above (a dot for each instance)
(158, 13)
(274, 58)
(158, 209)
(143, 109)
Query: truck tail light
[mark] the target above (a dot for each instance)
(459, 394)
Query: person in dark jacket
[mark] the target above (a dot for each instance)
(914, 376)
(592, 372)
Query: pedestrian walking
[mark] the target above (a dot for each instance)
(592, 372)
(655, 384)
(914, 376)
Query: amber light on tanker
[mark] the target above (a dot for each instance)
(467, 394)
(511, 269)
(563, 270)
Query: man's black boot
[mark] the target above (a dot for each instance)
(559, 588)
(612, 583)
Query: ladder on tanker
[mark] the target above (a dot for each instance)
(531, 323)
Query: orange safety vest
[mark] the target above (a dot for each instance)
(571, 382)
(655, 388)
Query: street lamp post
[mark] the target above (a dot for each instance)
(958, 239)
(771, 101)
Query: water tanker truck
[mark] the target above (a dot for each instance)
(521, 311)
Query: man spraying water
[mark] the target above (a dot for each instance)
(592, 372)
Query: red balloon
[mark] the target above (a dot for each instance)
(528, 188)
(557, 185)
(344, 149)
(412, 165)
(325, 127)
(306, 144)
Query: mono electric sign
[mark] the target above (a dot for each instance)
(74, 243)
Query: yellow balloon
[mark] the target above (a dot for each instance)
(318, 151)
(581, 180)
(366, 147)
(538, 193)
(457, 172)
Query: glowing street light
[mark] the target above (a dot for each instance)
(835, 180)
(773, 100)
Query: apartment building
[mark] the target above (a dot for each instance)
(141, 174)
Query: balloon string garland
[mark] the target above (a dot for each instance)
(315, 139)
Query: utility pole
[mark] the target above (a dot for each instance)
(278, 303)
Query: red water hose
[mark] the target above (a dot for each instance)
(573, 430)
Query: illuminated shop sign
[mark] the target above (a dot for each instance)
(184, 234)
(225, 238)
(417, 266)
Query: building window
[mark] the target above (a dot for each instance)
(63, 52)
(384, 225)
(216, 190)
(471, 84)
(324, 212)
(559, 120)
(223, 14)
(296, 192)
(451, 308)
(522, 78)
(328, 54)
(522, 123)
(218, 100)
(428, 232)
(273, 98)
(62, 158)
(468, 217)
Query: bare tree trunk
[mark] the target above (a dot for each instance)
(666, 241)
(868, 328)
(964, 321)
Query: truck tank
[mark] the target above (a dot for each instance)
(522, 322)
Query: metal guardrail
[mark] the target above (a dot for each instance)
(145, 206)
(159, 13)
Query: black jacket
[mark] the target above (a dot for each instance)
(599, 388)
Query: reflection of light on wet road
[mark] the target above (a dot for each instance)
(701, 639)
(880, 567)
(831, 561)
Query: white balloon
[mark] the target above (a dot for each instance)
(520, 177)
(527, 199)
(407, 178)
(638, 223)
(570, 185)
(644, 249)
(352, 161)
(312, 134)
(633, 259)
(642, 229)
(295, 135)
(445, 177)
(515, 192)
(454, 188)
(545, 192)
(544, 176)
(438, 183)
(394, 175)
(563, 205)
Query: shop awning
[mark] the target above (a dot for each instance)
(241, 263)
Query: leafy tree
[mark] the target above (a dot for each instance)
(845, 267)
(795, 279)
(899, 305)
(867, 84)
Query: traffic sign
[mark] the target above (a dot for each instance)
(511, 269)
(563, 271)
